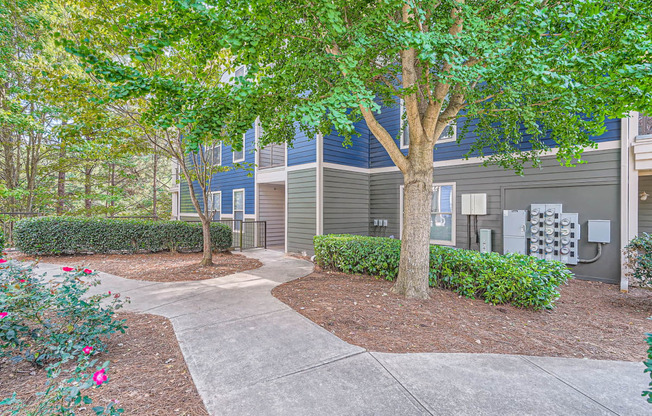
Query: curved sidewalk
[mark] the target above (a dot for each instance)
(250, 354)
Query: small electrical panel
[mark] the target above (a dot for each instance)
(599, 231)
(485, 240)
(553, 234)
(474, 204)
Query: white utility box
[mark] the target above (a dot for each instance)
(474, 204)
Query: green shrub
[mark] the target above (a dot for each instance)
(648, 367)
(521, 280)
(2, 240)
(70, 235)
(49, 323)
(638, 257)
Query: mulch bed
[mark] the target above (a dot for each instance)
(147, 374)
(156, 267)
(590, 320)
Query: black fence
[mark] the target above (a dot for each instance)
(247, 234)
(7, 221)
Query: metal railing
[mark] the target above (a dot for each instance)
(247, 234)
(8, 220)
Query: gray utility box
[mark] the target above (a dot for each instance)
(599, 231)
(514, 238)
(485, 240)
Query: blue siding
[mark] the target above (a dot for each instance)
(237, 178)
(303, 150)
(355, 155)
(390, 119)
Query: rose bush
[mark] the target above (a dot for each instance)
(56, 324)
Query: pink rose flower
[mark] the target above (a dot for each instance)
(99, 377)
(3, 260)
(88, 271)
(22, 280)
(3, 314)
(67, 269)
(88, 349)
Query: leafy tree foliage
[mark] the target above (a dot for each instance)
(527, 76)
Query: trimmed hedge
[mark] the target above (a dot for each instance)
(71, 235)
(523, 281)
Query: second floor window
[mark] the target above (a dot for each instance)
(215, 154)
(239, 155)
(448, 135)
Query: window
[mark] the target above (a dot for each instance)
(442, 214)
(239, 156)
(238, 208)
(215, 154)
(216, 205)
(448, 135)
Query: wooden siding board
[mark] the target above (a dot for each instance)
(302, 215)
(645, 207)
(390, 119)
(302, 150)
(346, 202)
(602, 172)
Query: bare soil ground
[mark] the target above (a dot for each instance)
(591, 320)
(155, 267)
(147, 374)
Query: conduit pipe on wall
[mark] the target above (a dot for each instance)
(597, 256)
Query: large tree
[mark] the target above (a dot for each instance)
(178, 97)
(531, 75)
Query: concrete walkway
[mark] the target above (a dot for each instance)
(250, 354)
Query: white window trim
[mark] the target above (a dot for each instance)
(210, 149)
(452, 138)
(233, 202)
(219, 193)
(454, 214)
(402, 120)
(244, 142)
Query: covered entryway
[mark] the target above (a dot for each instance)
(271, 209)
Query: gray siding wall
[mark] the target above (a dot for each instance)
(271, 203)
(645, 207)
(302, 215)
(591, 189)
(346, 202)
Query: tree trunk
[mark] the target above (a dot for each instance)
(207, 258)
(414, 266)
(88, 187)
(154, 186)
(61, 181)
